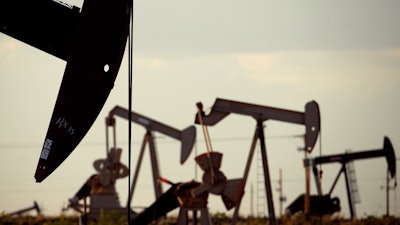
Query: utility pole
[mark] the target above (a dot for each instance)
(387, 193)
(251, 201)
(280, 193)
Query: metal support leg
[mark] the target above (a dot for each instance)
(246, 174)
(267, 180)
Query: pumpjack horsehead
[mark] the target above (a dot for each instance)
(92, 41)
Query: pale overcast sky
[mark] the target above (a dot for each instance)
(343, 54)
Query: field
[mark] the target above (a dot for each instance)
(217, 219)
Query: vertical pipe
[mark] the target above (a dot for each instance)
(107, 138)
(114, 134)
(280, 193)
(251, 201)
(387, 193)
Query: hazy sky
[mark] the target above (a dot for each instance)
(343, 54)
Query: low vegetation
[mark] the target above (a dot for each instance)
(217, 219)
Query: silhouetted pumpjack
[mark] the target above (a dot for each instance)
(324, 204)
(310, 118)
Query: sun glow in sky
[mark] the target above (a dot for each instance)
(344, 55)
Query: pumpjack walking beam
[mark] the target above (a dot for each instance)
(310, 118)
(186, 136)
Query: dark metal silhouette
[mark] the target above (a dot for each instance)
(331, 206)
(310, 118)
(22, 211)
(92, 42)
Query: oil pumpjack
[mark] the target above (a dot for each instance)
(193, 196)
(310, 118)
(186, 136)
(25, 210)
(100, 187)
(326, 205)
